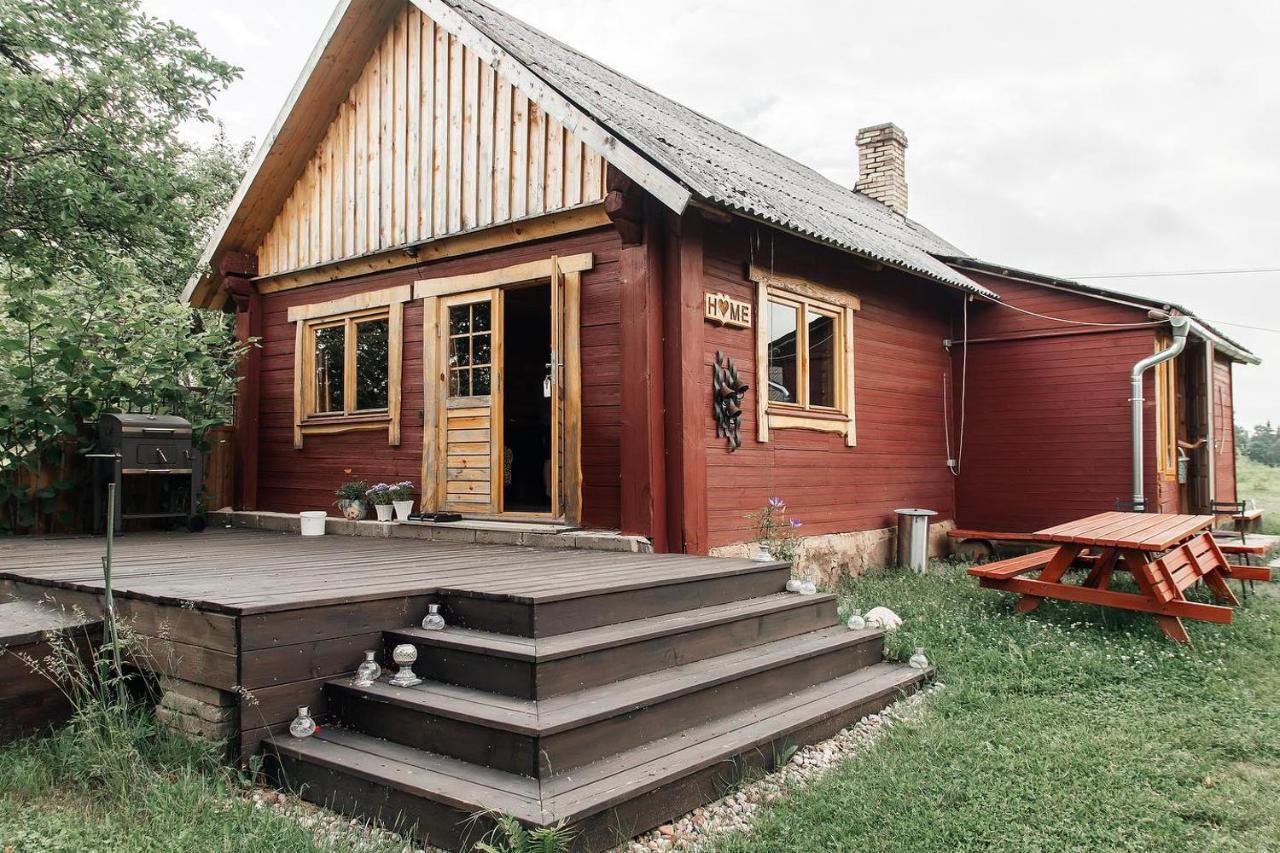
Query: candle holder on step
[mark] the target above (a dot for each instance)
(368, 672)
(404, 656)
(433, 621)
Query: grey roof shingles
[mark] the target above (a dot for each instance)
(718, 164)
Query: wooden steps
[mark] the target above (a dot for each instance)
(637, 788)
(532, 668)
(552, 735)
(614, 706)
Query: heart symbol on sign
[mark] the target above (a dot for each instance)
(723, 305)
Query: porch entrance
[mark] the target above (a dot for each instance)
(499, 402)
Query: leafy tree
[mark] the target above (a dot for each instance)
(1264, 445)
(103, 211)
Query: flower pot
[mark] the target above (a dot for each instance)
(403, 509)
(384, 511)
(313, 522)
(353, 510)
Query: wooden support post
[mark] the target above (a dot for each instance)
(643, 449)
(237, 272)
(687, 393)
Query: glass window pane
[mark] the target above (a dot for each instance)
(480, 316)
(330, 345)
(782, 353)
(822, 359)
(459, 352)
(480, 381)
(460, 383)
(459, 319)
(371, 364)
(480, 350)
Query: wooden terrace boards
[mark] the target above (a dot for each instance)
(612, 690)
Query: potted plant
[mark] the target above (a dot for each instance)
(351, 501)
(777, 535)
(380, 497)
(402, 499)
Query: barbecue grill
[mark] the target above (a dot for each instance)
(134, 449)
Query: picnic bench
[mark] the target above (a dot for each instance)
(1165, 553)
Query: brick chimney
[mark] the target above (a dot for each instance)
(882, 165)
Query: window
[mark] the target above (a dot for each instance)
(804, 355)
(470, 349)
(351, 365)
(347, 364)
(1166, 411)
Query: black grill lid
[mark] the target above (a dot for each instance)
(114, 425)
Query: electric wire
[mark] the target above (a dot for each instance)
(1175, 273)
(1012, 307)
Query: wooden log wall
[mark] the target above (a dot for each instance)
(1047, 435)
(429, 142)
(830, 487)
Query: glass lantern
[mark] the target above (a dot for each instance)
(857, 622)
(368, 672)
(433, 621)
(303, 725)
(808, 587)
(918, 660)
(793, 584)
(405, 655)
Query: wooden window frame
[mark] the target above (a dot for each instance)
(1166, 394)
(348, 313)
(804, 295)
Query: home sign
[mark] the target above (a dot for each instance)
(723, 310)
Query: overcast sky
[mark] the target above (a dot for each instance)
(1069, 139)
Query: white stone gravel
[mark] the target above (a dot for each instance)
(728, 814)
(735, 811)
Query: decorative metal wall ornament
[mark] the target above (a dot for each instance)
(727, 391)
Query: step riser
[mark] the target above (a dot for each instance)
(550, 618)
(528, 755)
(497, 748)
(599, 832)
(530, 680)
(567, 675)
(451, 825)
(582, 745)
(426, 820)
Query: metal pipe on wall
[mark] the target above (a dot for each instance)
(1179, 325)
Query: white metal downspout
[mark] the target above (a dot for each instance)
(1180, 326)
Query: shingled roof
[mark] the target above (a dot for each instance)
(717, 163)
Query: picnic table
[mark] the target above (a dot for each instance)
(1165, 553)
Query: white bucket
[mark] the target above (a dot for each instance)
(313, 522)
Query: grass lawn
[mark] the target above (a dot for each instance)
(1262, 483)
(1068, 729)
(112, 783)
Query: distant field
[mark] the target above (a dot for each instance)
(1262, 484)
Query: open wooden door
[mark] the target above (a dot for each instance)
(470, 424)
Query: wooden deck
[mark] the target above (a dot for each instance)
(610, 690)
(243, 572)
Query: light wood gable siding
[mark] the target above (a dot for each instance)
(429, 142)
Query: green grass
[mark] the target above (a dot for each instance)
(1262, 484)
(114, 780)
(1068, 729)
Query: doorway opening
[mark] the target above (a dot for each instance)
(527, 398)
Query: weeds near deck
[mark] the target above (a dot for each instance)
(510, 836)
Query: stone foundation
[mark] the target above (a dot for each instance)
(195, 709)
(831, 556)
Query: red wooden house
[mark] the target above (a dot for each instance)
(480, 260)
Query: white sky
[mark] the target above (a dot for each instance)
(1090, 137)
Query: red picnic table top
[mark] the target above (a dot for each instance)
(1136, 542)
(1136, 531)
